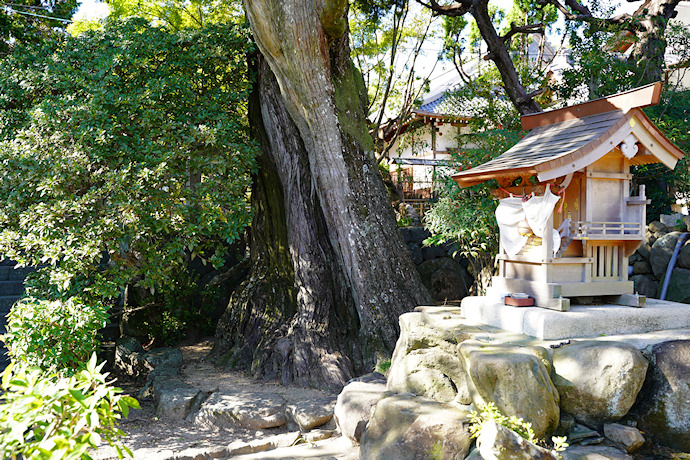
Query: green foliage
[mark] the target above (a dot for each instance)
(598, 69)
(178, 15)
(377, 9)
(383, 366)
(466, 216)
(56, 417)
(525, 12)
(387, 37)
(597, 74)
(454, 40)
(489, 411)
(404, 221)
(594, 74)
(124, 153)
(30, 21)
(672, 116)
(53, 334)
(481, 100)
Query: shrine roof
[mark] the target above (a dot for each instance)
(566, 140)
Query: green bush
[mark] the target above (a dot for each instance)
(48, 416)
(125, 153)
(489, 411)
(466, 216)
(58, 334)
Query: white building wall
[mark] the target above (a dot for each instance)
(418, 145)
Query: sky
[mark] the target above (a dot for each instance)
(94, 9)
(91, 10)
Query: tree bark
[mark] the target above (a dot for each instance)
(498, 52)
(650, 47)
(338, 263)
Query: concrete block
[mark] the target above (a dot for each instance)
(580, 320)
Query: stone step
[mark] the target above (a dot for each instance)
(11, 288)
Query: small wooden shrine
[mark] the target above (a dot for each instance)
(567, 220)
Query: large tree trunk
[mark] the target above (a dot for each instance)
(649, 49)
(344, 275)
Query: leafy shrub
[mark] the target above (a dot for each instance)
(466, 216)
(46, 416)
(672, 115)
(489, 411)
(524, 429)
(57, 334)
(124, 153)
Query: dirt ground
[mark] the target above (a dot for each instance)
(152, 438)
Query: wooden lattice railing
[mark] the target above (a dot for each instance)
(606, 230)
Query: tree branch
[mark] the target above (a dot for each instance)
(496, 46)
(453, 10)
(537, 92)
(580, 12)
(527, 29)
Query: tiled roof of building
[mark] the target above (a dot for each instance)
(561, 139)
(433, 105)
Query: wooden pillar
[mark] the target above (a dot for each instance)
(547, 250)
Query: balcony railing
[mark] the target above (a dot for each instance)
(606, 230)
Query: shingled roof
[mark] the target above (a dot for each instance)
(566, 140)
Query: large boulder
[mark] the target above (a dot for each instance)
(433, 252)
(645, 285)
(644, 251)
(415, 253)
(445, 279)
(404, 427)
(132, 360)
(426, 361)
(594, 453)
(657, 227)
(247, 409)
(675, 220)
(129, 357)
(414, 234)
(684, 256)
(427, 327)
(311, 413)
(598, 381)
(664, 404)
(163, 357)
(679, 286)
(516, 379)
(661, 252)
(628, 437)
(175, 399)
(429, 372)
(642, 267)
(353, 407)
(497, 442)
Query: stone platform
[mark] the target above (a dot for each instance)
(580, 320)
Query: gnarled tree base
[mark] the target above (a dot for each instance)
(330, 273)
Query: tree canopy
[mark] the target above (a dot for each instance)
(646, 29)
(177, 14)
(123, 152)
(31, 21)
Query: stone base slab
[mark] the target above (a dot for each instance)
(580, 320)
